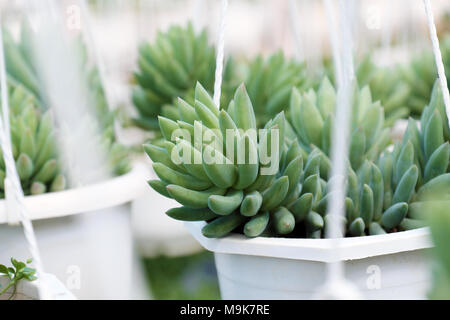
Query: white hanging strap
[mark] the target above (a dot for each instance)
(14, 193)
(332, 30)
(340, 145)
(336, 286)
(99, 62)
(437, 56)
(295, 28)
(12, 207)
(220, 53)
(88, 34)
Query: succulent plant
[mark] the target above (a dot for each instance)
(312, 117)
(415, 173)
(387, 86)
(386, 190)
(237, 191)
(34, 146)
(269, 83)
(169, 68)
(21, 71)
(420, 75)
(19, 62)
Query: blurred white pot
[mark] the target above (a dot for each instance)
(156, 233)
(27, 290)
(391, 266)
(84, 237)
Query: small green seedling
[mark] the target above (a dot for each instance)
(19, 271)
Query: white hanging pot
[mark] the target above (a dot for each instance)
(27, 290)
(391, 266)
(81, 232)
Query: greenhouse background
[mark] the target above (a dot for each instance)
(103, 233)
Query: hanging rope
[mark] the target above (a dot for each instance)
(13, 188)
(220, 53)
(340, 145)
(99, 62)
(336, 286)
(332, 30)
(437, 56)
(88, 33)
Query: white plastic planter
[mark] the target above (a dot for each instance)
(81, 233)
(391, 266)
(27, 290)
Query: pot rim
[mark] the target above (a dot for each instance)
(97, 196)
(320, 250)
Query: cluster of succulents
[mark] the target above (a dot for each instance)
(269, 83)
(178, 58)
(227, 193)
(403, 89)
(385, 190)
(312, 118)
(169, 68)
(387, 86)
(22, 71)
(420, 75)
(34, 146)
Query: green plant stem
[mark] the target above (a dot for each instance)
(14, 292)
(7, 287)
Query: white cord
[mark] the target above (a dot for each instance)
(220, 53)
(333, 31)
(88, 33)
(437, 56)
(340, 145)
(336, 286)
(15, 197)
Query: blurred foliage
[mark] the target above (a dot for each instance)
(190, 277)
(439, 219)
(22, 69)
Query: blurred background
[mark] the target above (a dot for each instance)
(393, 32)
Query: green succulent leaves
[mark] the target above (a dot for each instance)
(284, 191)
(229, 176)
(237, 196)
(169, 68)
(34, 146)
